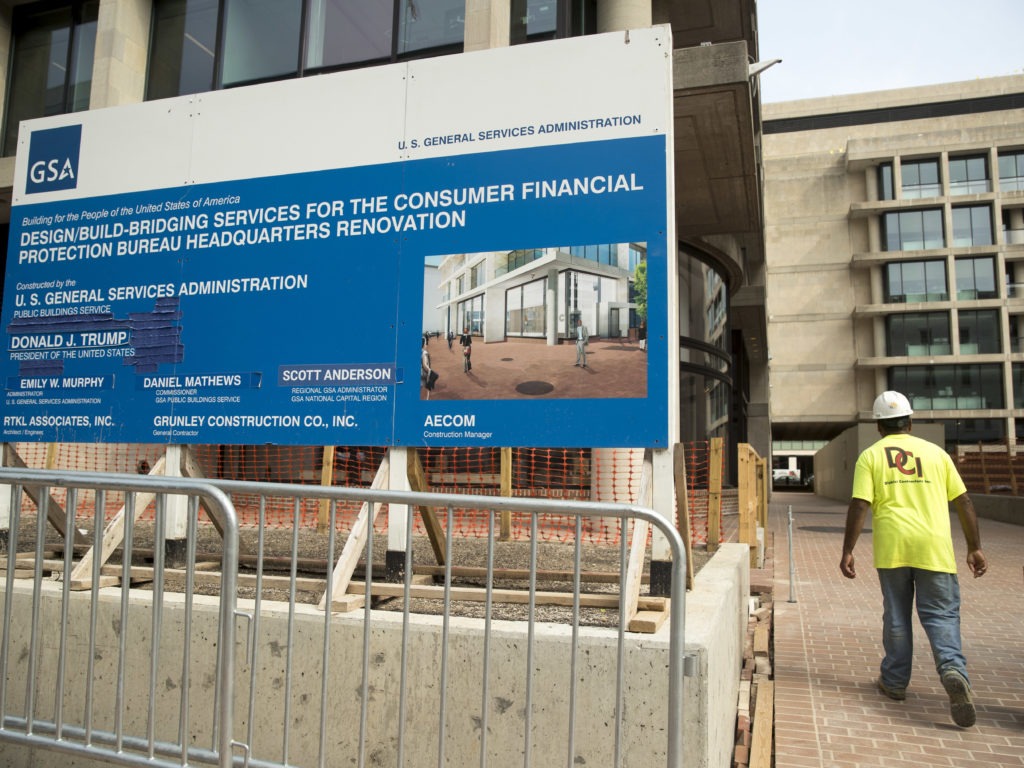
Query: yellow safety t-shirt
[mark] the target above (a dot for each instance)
(909, 483)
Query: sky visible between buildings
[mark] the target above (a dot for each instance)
(842, 47)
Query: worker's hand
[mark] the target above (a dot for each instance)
(847, 567)
(977, 563)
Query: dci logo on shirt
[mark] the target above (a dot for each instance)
(53, 159)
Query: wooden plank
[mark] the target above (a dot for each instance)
(326, 481)
(761, 639)
(113, 535)
(505, 527)
(764, 717)
(522, 574)
(638, 546)
(357, 537)
(54, 511)
(190, 468)
(607, 600)
(418, 482)
(465, 478)
(683, 508)
(715, 493)
(647, 622)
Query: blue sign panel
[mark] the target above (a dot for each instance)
(309, 308)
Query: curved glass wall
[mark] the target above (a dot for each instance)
(706, 369)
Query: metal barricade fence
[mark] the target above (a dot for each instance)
(312, 687)
(93, 709)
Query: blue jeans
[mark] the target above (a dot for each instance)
(938, 608)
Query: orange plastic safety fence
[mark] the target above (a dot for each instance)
(562, 474)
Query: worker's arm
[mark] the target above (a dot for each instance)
(856, 514)
(969, 523)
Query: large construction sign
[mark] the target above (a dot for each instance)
(404, 255)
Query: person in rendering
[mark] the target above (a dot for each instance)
(451, 338)
(641, 335)
(466, 342)
(582, 339)
(425, 369)
(908, 483)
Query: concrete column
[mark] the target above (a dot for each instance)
(5, 50)
(122, 43)
(871, 182)
(488, 24)
(551, 331)
(614, 15)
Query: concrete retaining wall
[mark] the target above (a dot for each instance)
(716, 619)
(1005, 509)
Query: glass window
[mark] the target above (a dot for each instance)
(602, 254)
(423, 24)
(349, 32)
(918, 334)
(261, 40)
(976, 279)
(1011, 171)
(525, 309)
(913, 230)
(979, 332)
(938, 387)
(968, 175)
(920, 179)
(1018, 385)
(637, 253)
(972, 225)
(533, 20)
(266, 39)
(470, 315)
(476, 275)
(885, 188)
(182, 51)
(52, 50)
(915, 281)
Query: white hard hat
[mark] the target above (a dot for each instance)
(891, 405)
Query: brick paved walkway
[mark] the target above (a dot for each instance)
(828, 647)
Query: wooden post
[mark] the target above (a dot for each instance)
(356, 540)
(638, 545)
(54, 511)
(418, 482)
(326, 480)
(715, 494)
(683, 509)
(747, 476)
(113, 535)
(762, 492)
(506, 490)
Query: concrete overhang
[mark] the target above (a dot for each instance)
(718, 191)
(717, 168)
(747, 307)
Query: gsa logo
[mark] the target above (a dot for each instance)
(53, 159)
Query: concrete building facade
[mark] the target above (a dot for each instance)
(70, 55)
(895, 243)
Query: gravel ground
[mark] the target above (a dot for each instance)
(312, 569)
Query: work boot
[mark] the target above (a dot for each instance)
(896, 694)
(961, 707)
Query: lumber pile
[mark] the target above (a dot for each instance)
(756, 701)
